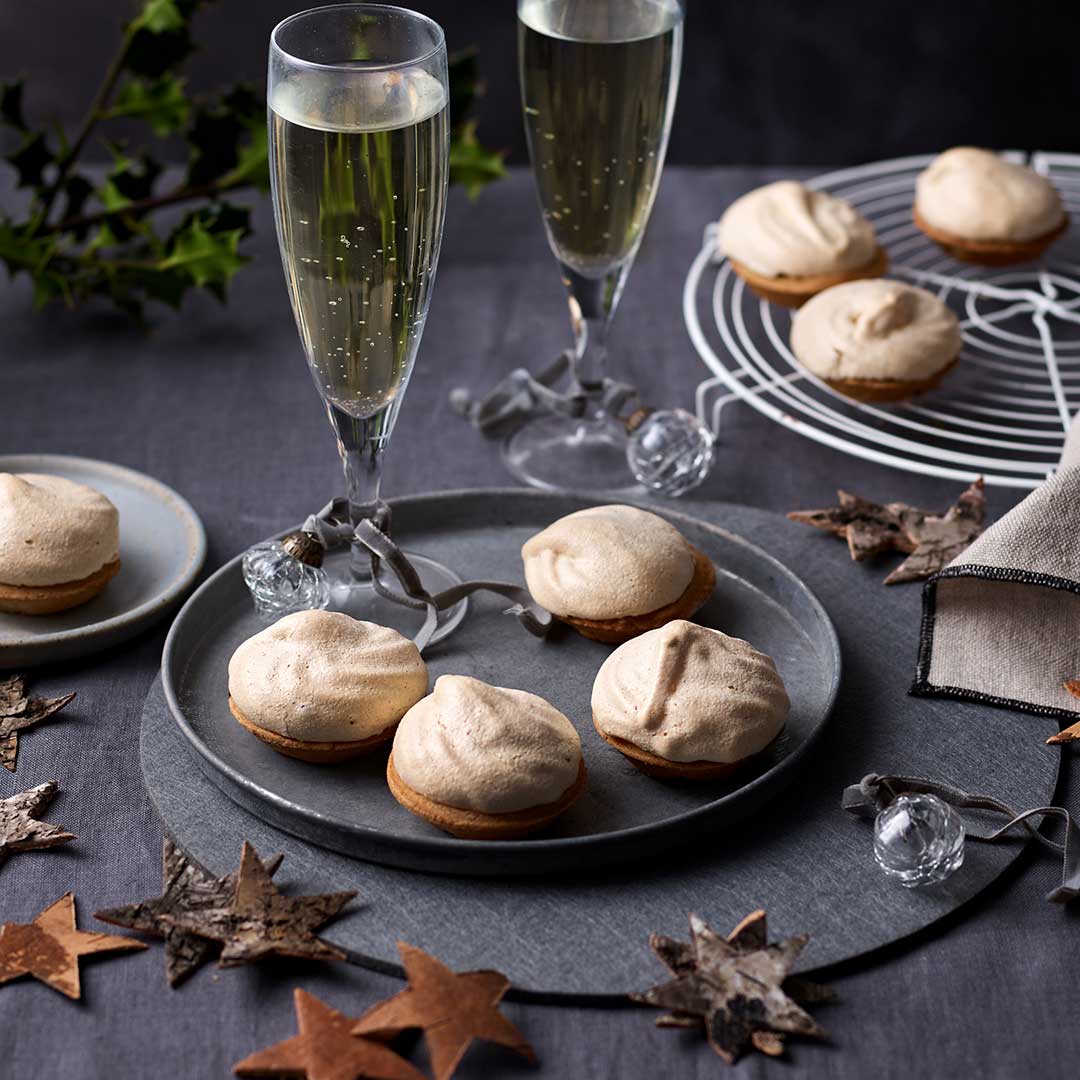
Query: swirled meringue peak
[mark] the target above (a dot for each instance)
(54, 531)
(878, 329)
(977, 195)
(487, 748)
(786, 230)
(323, 676)
(607, 562)
(688, 693)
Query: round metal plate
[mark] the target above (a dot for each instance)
(623, 815)
(162, 548)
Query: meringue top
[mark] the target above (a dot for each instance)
(787, 230)
(486, 748)
(54, 531)
(688, 693)
(877, 329)
(977, 195)
(607, 562)
(323, 676)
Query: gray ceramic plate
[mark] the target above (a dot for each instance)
(162, 548)
(623, 815)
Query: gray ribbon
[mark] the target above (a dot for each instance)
(875, 792)
(521, 393)
(332, 528)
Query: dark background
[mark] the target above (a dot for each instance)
(771, 82)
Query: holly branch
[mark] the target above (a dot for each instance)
(93, 233)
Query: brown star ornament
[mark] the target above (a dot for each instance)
(258, 920)
(188, 890)
(49, 948)
(20, 829)
(1069, 734)
(452, 1009)
(930, 541)
(19, 712)
(325, 1049)
(737, 988)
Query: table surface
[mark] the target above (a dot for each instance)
(217, 404)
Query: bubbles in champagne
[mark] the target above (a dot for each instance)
(598, 82)
(360, 172)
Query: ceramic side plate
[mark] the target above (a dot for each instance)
(162, 548)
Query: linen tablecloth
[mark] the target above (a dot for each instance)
(217, 403)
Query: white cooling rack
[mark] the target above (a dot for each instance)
(1001, 414)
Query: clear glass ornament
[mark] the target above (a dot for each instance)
(670, 452)
(281, 583)
(919, 840)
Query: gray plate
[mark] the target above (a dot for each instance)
(623, 815)
(162, 548)
(801, 856)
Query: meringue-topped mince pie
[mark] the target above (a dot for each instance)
(322, 686)
(484, 762)
(877, 340)
(983, 209)
(59, 543)
(788, 242)
(686, 701)
(613, 572)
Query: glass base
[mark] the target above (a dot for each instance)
(360, 600)
(556, 453)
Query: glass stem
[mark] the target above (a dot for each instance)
(361, 443)
(592, 304)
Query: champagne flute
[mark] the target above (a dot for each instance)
(598, 86)
(358, 102)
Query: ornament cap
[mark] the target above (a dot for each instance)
(305, 547)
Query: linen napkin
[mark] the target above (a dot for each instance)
(1001, 623)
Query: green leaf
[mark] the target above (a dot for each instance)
(471, 164)
(219, 217)
(21, 250)
(77, 189)
(50, 285)
(168, 286)
(11, 111)
(31, 160)
(158, 17)
(160, 103)
(228, 141)
(210, 259)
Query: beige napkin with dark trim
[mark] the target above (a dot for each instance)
(1001, 623)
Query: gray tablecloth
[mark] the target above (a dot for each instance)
(217, 404)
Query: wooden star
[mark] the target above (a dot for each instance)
(1069, 734)
(325, 1050)
(930, 541)
(452, 1009)
(258, 921)
(18, 712)
(738, 989)
(188, 890)
(20, 830)
(49, 947)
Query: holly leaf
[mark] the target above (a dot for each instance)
(31, 160)
(471, 164)
(219, 217)
(11, 110)
(158, 17)
(161, 103)
(210, 259)
(160, 37)
(77, 189)
(20, 249)
(49, 285)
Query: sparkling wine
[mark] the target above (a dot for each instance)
(598, 89)
(360, 180)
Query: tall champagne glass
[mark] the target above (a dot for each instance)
(359, 148)
(598, 86)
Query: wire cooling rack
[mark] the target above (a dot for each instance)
(1001, 414)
